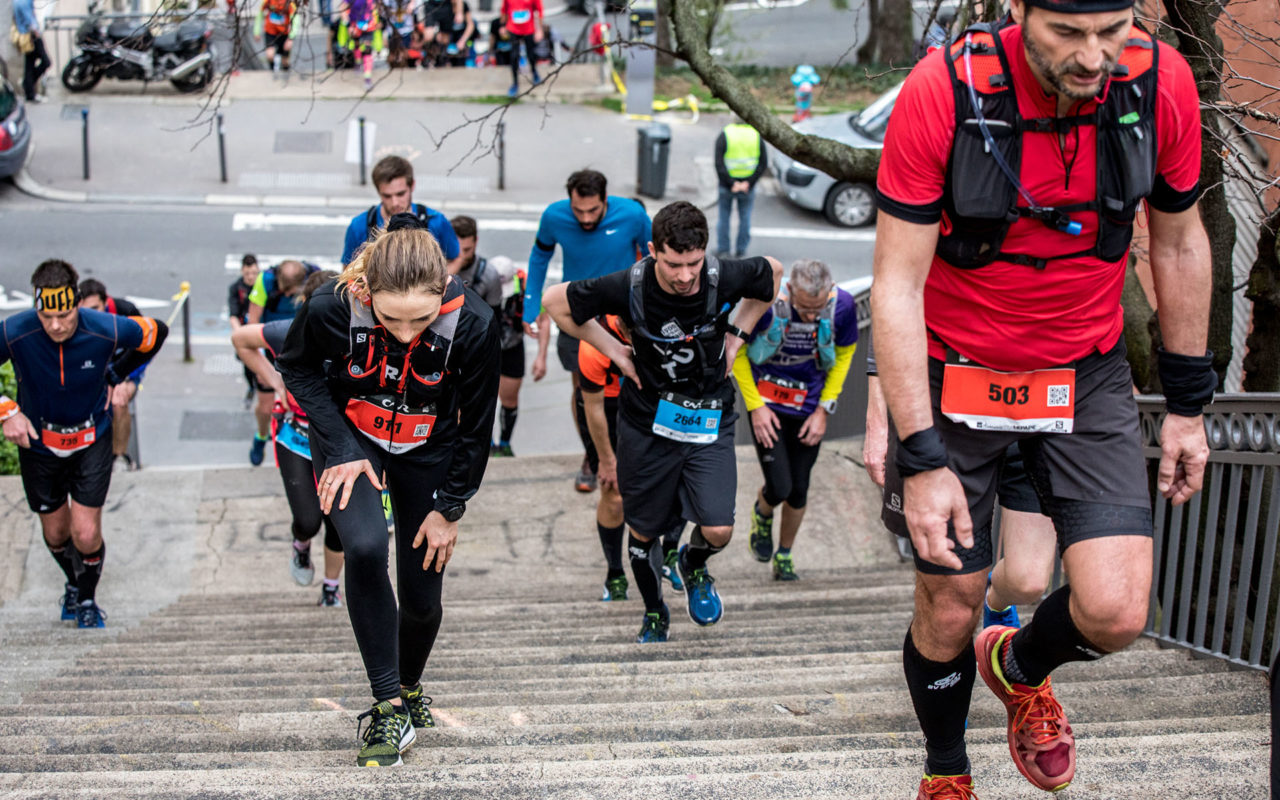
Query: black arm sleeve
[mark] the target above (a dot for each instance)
(722, 172)
(124, 365)
(476, 364)
(319, 333)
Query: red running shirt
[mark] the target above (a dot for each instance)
(519, 15)
(1013, 317)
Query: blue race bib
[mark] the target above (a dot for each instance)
(682, 419)
(294, 438)
(521, 17)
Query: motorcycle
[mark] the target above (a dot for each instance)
(128, 50)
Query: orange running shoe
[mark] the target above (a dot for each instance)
(1040, 738)
(946, 787)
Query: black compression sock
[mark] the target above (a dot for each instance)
(1050, 640)
(90, 570)
(611, 544)
(643, 571)
(941, 693)
(63, 556)
(671, 539)
(695, 557)
(508, 423)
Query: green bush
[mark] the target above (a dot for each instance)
(8, 450)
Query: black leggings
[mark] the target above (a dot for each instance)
(304, 503)
(390, 661)
(36, 62)
(516, 41)
(787, 464)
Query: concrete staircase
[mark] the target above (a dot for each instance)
(216, 678)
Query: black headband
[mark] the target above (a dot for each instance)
(1080, 6)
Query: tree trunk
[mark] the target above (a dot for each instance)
(868, 52)
(1262, 361)
(889, 39)
(1195, 23)
(662, 33)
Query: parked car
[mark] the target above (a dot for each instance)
(15, 130)
(848, 204)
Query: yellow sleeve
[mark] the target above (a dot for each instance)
(747, 383)
(835, 378)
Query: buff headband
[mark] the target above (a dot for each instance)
(55, 298)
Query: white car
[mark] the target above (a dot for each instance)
(848, 204)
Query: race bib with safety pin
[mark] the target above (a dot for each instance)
(683, 419)
(783, 392)
(1039, 401)
(63, 440)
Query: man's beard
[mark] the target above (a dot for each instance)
(1055, 74)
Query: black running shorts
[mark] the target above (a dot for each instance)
(567, 350)
(511, 361)
(1095, 472)
(1015, 491)
(48, 479)
(663, 482)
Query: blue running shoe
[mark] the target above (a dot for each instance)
(655, 626)
(70, 602)
(705, 607)
(1007, 617)
(615, 589)
(88, 615)
(671, 570)
(257, 451)
(513, 91)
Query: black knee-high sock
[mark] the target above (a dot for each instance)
(699, 549)
(671, 539)
(1050, 640)
(62, 555)
(584, 432)
(940, 693)
(643, 571)
(611, 544)
(88, 571)
(508, 423)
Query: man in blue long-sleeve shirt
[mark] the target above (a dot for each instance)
(597, 234)
(393, 178)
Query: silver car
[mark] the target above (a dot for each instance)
(15, 131)
(849, 204)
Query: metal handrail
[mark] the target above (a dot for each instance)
(1213, 588)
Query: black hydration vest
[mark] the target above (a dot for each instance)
(684, 363)
(980, 204)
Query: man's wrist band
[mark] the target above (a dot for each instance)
(736, 331)
(922, 451)
(1188, 381)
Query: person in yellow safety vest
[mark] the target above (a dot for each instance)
(740, 161)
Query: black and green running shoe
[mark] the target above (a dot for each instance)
(390, 733)
(783, 568)
(671, 570)
(761, 541)
(615, 589)
(417, 703)
(655, 626)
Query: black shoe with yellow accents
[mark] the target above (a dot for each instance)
(417, 703)
(389, 733)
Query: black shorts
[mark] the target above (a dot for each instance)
(567, 350)
(511, 361)
(1093, 481)
(48, 479)
(275, 40)
(1015, 491)
(663, 482)
(787, 465)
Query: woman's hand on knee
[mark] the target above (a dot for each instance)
(440, 535)
(343, 477)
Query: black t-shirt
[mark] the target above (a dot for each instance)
(671, 315)
(238, 299)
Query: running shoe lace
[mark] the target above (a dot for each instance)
(382, 728)
(417, 703)
(90, 616)
(701, 581)
(1039, 713)
(784, 565)
(948, 787)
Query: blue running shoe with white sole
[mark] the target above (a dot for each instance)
(615, 589)
(655, 626)
(671, 570)
(705, 607)
(88, 615)
(70, 602)
(1008, 617)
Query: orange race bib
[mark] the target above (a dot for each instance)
(63, 440)
(1039, 401)
(393, 425)
(782, 392)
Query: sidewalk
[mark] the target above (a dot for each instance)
(287, 148)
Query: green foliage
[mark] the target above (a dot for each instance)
(8, 450)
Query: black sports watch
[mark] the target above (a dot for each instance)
(736, 331)
(453, 512)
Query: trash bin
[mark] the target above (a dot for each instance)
(654, 148)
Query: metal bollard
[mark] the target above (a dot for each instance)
(186, 323)
(222, 149)
(84, 139)
(502, 156)
(362, 164)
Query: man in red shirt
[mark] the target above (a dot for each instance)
(524, 23)
(1014, 163)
